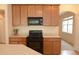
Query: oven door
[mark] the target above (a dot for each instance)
(37, 46)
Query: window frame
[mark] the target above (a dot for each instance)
(67, 19)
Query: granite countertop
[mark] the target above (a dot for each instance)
(16, 49)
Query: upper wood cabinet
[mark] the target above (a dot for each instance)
(55, 15)
(51, 15)
(34, 10)
(31, 10)
(16, 15)
(38, 10)
(19, 15)
(24, 15)
(47, 15)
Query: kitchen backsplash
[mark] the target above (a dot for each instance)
(23, 30)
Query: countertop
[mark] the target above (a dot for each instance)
(45, 36)
(16, 49)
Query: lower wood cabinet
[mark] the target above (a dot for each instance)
(51, 46)
(18, 40)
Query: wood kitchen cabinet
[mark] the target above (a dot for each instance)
(51, 15)
(38, 10)
(34, 10)
(55, 15)
(19, 15)
(16, 15)
(24, 14)
(18, 40)
(47, 15)
(51, 46)
(31, 10)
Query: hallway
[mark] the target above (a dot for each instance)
(67, 49)
(66, 46)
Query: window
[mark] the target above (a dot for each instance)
(67, 24)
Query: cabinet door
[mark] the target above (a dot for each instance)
(52, 46)
(24, 15)
(38, 10)
(31, 11)
(47, 48)
(55, 15)
(35, 10)
(15, 15)
(56, 47)
(47, 15)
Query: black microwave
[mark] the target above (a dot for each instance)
(35, 20)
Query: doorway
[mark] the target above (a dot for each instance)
(67, 30)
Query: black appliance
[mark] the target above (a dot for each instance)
(35, 40)
(35, 20)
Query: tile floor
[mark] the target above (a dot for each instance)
(66, 46)
(67, 49)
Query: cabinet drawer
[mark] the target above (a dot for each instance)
(14, 42)
(18, 40)
(22, 43)
(52, 39)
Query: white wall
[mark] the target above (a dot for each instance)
(76, 45)
(2, 31)
(7, 16)
(3, 25)
(69, 7)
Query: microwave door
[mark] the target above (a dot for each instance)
(35, 21)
